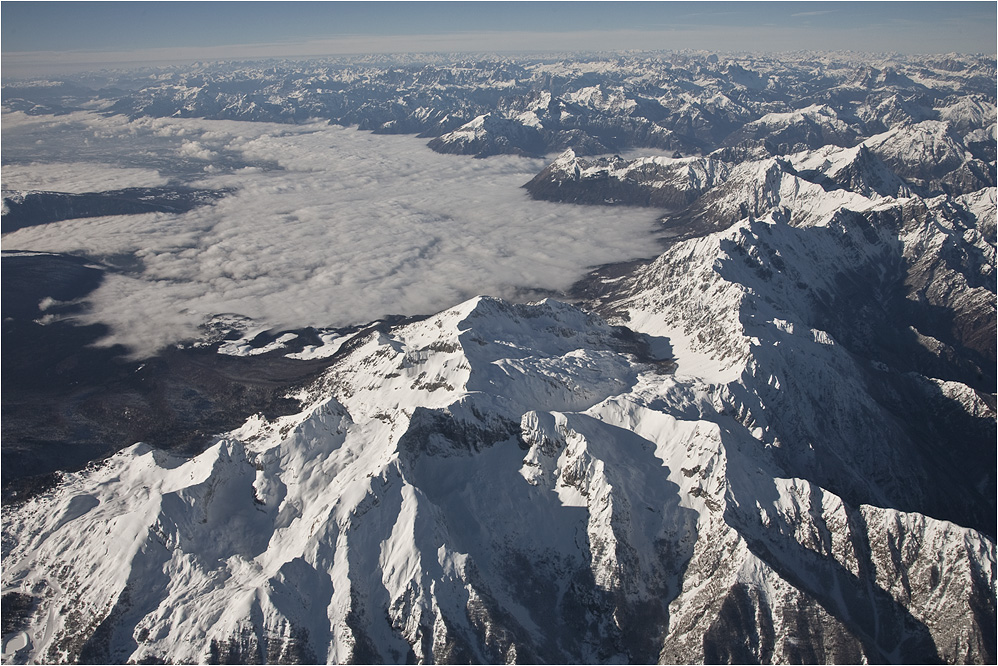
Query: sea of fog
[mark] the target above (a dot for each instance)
(323, 226)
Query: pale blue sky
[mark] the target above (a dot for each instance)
(126, 32)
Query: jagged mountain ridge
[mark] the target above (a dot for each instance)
(690, 470)
(802, 129)
(772, 443)
(923, 159)
(786, 285)
(425, 434)
(668, 183)
(490, 135)
(691, 102)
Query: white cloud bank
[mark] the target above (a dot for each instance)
(353, 227)
(77, 177)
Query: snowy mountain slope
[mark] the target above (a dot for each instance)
(772, 443)
(850, 286)
(397, 518)
(590, 121)
(490, 135)
(755, 187)
(707, 193)
(794, 131)
(931, 156)
(705, 120)
(982, 143)
(671, 183)
(596, 120)
(853, 169)
(696, 103)
(967, 113)
(888, 109)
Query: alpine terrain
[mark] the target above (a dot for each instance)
(771, 440)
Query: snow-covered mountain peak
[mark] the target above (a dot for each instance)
(761, 187)
(921, 151)
(595, 97)
(361, 481)
(408, 526)
(566, 159)
(771, 443)
(968, 113)
(814, 112)
(490, 355)
(929, 138)
(400, 499)
(781, 133)
(855, 169)
(666, 182)
(491, 134)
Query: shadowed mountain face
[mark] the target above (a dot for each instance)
(661, 503)
(27, 209)
(47, 361)
(67, 400)
(772, 442)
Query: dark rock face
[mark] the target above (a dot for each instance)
(17, 608)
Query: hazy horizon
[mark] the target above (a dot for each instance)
(46, 38)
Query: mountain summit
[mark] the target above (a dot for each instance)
(769, 440)
(521, 483)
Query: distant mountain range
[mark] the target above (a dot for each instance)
(774, 442)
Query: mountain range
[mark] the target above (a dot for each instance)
(771, 442)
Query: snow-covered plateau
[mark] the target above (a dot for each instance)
(771, 442)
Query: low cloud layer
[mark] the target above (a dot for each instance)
(349, 227)
(77, 177)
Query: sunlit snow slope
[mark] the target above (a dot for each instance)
(499, 483)
(773, 443)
